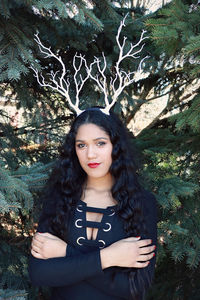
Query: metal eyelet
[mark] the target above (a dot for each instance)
(109, 227)
(78, 209)
(102, 243)
(78, 239)
(76, 223)
(112, 213)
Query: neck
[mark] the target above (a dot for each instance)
(101, 184)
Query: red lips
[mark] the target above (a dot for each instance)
(93, 165)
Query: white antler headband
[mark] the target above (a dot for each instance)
(59, 82)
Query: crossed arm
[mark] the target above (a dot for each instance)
(138, 252)
(94, 267)
(51, 253)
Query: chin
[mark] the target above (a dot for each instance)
(97, 175)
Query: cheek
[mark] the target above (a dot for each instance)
(108, 155)
(79, 155)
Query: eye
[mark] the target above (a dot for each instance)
(101, 143)
(80, 146)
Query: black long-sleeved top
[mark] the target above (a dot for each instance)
(79, 275)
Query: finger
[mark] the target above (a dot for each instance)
(36, 254)
(144, 243)
(146, 250)
(44, 236)
(49, 235)
(132, 239)
(36, 243)
(141, 264)
(36, 249)
(39, 237)
(146, 257)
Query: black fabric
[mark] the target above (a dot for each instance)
(79, 276)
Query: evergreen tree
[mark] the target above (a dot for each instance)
(172, 149)
(26, 155)
(169, 145)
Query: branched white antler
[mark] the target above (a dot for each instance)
(79, 83)
(122, 79)
(58, 82)
(101, 81)
(61, 84)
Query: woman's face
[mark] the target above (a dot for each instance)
(94, 150)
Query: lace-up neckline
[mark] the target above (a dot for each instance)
(103, 226)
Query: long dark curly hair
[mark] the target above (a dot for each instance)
(66, 182)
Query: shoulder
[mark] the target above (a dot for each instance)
(150, 216)
(149, 203)
(149, 196)
(48, 206)
(47, 213)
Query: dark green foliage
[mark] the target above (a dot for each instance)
(169, 146)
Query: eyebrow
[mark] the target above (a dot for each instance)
(99, 138)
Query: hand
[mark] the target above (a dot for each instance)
(46, 245)
(130, 252)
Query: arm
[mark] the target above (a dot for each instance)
(143, 277)
(119, 285)
(90, 264)
(63, 271)
(59, 271)
(116, 280)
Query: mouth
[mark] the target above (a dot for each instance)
(93, 165)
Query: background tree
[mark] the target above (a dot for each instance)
(169, 144)
(173, 149)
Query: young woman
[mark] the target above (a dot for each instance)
(96, 236)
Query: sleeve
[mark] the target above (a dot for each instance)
(120, 284)
(63, 271)
(76, 266)
(141, 278)
(112, 281)
(115, 281)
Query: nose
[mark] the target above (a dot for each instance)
(91, 153)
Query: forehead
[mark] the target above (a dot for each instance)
(90, 131)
